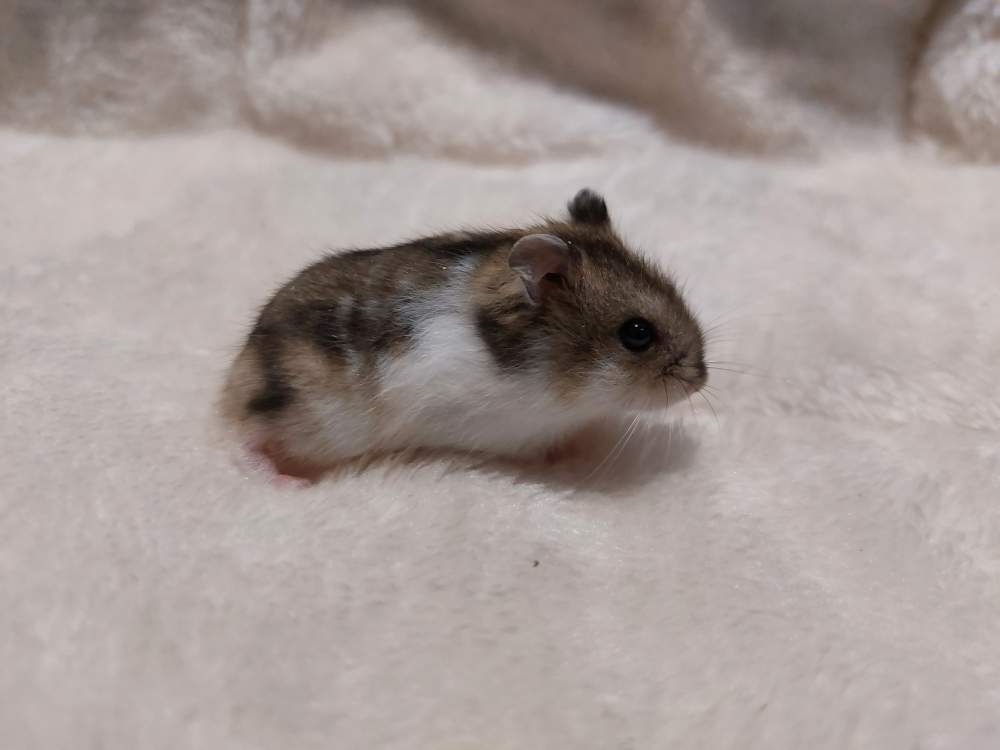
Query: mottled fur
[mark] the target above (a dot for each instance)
(436, 342)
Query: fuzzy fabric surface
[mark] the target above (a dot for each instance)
(810, 561)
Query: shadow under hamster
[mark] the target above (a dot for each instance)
(606, 458)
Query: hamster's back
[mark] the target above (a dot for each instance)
(329, 331)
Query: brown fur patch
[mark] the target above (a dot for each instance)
(351, 308)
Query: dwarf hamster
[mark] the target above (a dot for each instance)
(500, 341)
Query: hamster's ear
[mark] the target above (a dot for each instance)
(587, 207)
(536, 256)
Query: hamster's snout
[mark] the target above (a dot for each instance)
(688, 367)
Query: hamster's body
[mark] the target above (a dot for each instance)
(489, 341)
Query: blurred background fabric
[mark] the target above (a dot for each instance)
(776, 76)
(811, 561)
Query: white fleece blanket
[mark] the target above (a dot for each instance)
(815, 564)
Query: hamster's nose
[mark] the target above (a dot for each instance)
(690, 369)
(701, 372)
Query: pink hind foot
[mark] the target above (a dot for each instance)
(282, 470)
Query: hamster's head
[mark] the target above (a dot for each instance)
(611, 324)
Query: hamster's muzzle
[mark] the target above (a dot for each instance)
(690, 370)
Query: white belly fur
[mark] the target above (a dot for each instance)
(447, 391)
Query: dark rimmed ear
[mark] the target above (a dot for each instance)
(536, 256)
(588, 207)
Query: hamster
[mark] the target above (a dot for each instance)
(505, 342)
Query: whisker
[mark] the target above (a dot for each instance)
(711, 391)
(621, 441)
(711, 334)
(688, 394)
(718, 342)
(628, 438)
(721, 323)
(714, 412)
(763, 376)
(760, 375)
(729, 363)
(712, 329)
(723, 318)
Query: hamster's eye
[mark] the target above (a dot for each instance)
(637, 334)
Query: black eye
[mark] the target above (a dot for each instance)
(637, 334)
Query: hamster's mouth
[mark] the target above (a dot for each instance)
(681, 381)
